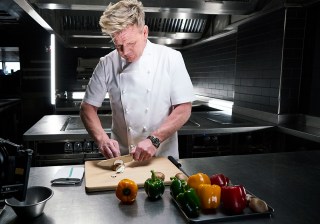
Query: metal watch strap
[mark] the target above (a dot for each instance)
(154, 140)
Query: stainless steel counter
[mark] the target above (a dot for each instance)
(302, 126)
(299, 125)
(289, 182)
(49, 136)
(69, 106)
(59, 127)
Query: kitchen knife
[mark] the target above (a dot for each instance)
(177, 164)
(109, 162)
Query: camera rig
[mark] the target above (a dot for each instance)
(15, 163)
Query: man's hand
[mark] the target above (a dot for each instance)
(180, 114)
(144, 150)
(89, 116)
(109, 148)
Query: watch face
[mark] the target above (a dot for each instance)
(155, 141)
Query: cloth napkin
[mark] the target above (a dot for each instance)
(68, 175)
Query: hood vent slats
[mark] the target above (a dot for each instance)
(80, 23)
(157, 25)
(172, 25)
(171, 22)
(175, 23)
(6, 18)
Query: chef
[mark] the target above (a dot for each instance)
(149, 88)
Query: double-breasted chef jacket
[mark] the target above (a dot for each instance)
(141, 94)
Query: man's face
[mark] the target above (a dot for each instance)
(130, 42)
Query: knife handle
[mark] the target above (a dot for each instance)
(174, 161)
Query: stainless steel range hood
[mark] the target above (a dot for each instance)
(175, 23)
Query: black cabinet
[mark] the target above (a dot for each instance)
(63, 152)
(290, 143)
(262, 141)
(204, 145)
(10, 118)
(212, 145)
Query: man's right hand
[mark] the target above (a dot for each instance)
(89, 116)
(109, 148)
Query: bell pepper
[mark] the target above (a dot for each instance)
(154, 186)
(209, 196)
(126, 191)
(196, 179)
(177, 186)
(189, 202)
(219, 179)
(233, 199)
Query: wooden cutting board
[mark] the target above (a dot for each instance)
(98, 178)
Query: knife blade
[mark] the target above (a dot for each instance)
(109, 162)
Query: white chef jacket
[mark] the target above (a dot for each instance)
(141, 94)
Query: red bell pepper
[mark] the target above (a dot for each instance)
(219, 179)
(233, 199)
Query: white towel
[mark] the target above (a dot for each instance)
(68, 175)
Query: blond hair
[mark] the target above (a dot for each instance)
(118, 16)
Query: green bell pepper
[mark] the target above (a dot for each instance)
(189, 202)
(154, 187)
(177, 186)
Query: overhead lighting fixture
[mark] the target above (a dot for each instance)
(53, 69)
(80, 95)
(90, 36)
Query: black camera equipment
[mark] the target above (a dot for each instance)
(15, 163)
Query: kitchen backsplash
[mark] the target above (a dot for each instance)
(212, 67)
(253, 66)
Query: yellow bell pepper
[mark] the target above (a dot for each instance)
(209, 196)
(196, 179)
(127, 191)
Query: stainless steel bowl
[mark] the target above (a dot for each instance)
(34, 204)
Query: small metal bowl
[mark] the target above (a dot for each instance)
(34, 203)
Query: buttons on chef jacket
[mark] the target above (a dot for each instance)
(147, 108)
(144, 129)
(123, 92)
(126, 110)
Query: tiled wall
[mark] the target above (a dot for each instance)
(212, 67)
(292, 60)
(311, 65)
(258, 64)
(255, 65)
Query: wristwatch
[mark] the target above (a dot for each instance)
(154, 140)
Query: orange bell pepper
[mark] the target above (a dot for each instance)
(196, 179)
(127, 191)
(209, 196)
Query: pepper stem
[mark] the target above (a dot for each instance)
(153, 175)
